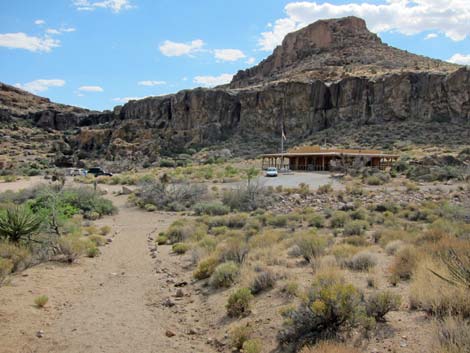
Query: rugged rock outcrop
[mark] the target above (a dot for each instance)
(330, 73)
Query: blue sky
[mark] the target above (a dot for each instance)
(99, 53)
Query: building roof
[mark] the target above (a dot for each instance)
(318, 151)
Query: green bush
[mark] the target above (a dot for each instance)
(310, 245)
(180, 248)
(339, 219)
(98, 240)
(224, 275)
(330, 307)
(211, 208)
(277, 220)
(18, 223)
(316, 220)
(252, 346)
(380, 303)
(162, 239)
(239, 335)
(168, 163)
(205, 268)
(239, 302)
(41, 301)
(357, 227)
(150, 208)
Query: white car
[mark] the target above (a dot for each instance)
(271, 172)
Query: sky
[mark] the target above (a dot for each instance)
(98, 54)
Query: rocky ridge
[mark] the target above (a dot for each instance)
(326, 75)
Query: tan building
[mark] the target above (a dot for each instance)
(315, 158)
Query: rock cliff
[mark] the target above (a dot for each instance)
(326, 75)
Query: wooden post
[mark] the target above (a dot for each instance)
(323, 162)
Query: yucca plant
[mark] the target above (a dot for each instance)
(18, 223)
(458, 266)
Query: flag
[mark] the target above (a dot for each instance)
(283, 135)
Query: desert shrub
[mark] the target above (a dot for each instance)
(180, 248)
(343, 252)
(105, 230)
(330, 306)
(236, 220)
(434, 295)
(277, 220)
(392, 247)
(329, 347)
(310, 245)
(167, 163)
(206, 267)
(248, 197)
(356, 227)
(211, 208)
(252, 346)
(182, 230)
(150, 208)
(92, 251)
(41, 301)
(358, 214)
(263, 280)
(385, 236)
(291, 289)
(171, 197)
(224, 275)
(387, 206)
(316, 220)
(86, 200)
(356, 240)
(239, 335)
(20, 256)
(238, 303)
(362, 261)
(98, 240)
(18, 223)
(162, 239)
(404, 263)
(452, 335)
(325, 189)
(233, 249)
(380, 303)
(339, 219)
(73, 247)
(6, 266)
(374, 180)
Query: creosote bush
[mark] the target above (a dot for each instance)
(239, 302)
(380, 303)
(206, 267)
(310, 245)
(213, 208)
(224, 275)
(330, 306)
(180, 248)
(252, 346)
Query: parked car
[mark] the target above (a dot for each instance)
(271, 172)
(98, 172)
(75, 172)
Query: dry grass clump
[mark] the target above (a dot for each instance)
(404, 263)
(339, 219)
(6, 267)
(98, 240)
(356, 227)
(392, 247)
(239, 335)
(452, 335)
(264, 280)
(105, 230)
(233, 249)
(238, 303)
(385, 236)
(19, 255)
(434, 295)
(206, 267)
(378, 304)
(329, 347)
(343, 252)
(310, 245)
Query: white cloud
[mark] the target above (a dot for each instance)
(52, 31)
(90, 89)
(39, 22)
(250, 60)
(431, 36)
(114, 5)
(211, 81)
(151, 83)
(169, 48)
(460, 59)
(409, 17)
(40, 85)
(21, 40)
(228, 54)
(127, 99)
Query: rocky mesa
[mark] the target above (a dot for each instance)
(330, 74)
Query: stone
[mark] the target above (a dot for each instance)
(169, 333)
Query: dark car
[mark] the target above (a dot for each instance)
(98, 172)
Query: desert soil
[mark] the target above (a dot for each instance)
(112, 303)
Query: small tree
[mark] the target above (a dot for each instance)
(18, 223)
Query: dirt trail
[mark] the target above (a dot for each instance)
(113, 303)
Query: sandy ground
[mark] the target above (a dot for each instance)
(112, 303)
